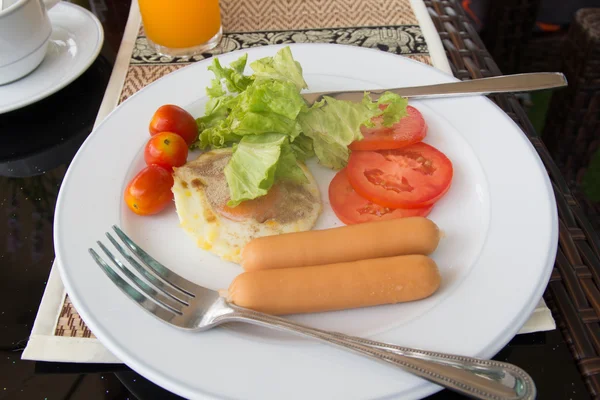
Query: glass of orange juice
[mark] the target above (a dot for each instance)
(181, 27)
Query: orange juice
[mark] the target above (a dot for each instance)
(178, 24)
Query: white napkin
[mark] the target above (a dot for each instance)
(44, 346)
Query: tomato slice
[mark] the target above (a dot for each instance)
(410, 129)
(351, 208)
(411, 177)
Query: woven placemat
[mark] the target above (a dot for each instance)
(388, 25)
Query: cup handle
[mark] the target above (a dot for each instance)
(50, 3)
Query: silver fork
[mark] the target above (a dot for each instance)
(185, 305)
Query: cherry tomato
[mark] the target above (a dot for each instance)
(149, 192)
(351, 208)
(166, 149)
(411, 177)
(410, 129)
(170, 118)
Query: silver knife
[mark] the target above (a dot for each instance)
(497, 84)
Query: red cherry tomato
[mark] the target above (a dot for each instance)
(351, 208)
(170, 118)
(411, 177)
(166, 149)
(149, 192)
(410, 129)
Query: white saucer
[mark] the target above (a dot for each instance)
(76, 40)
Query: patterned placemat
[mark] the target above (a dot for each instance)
(388, 25)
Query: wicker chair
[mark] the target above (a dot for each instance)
(508, 27)
(572, 128)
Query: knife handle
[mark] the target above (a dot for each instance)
(496, 84)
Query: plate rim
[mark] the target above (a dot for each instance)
(425, 388)
(70, 77)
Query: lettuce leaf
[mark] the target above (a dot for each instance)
(214, 126)
(217, 137)
(332, 125)
(288, 168)
(281, 67)
(233, 77)
(271, 96)
(268, 107)
(257, 161)
(251, 123)
(251, 171)
(395, 109)
(302, 146)
(271, 128)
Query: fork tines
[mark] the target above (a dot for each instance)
(161, 291)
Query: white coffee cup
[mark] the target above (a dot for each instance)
(24, 33)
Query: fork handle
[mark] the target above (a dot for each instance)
(481, 379)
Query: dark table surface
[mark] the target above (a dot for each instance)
(37, 145)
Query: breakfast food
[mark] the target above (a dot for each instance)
(250, 199)
(352, 208)
(415, 235)
(201, 197)
(266, 113)
(172, 118)
(166, 149)
(410, 129)
(410, 177)
(263, 119)
(149, 192)
(336, 286)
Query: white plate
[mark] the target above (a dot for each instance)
(501, 238)
(75, 42)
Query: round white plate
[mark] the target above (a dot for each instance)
(499, 220)
(75, 42)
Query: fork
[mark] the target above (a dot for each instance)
(186, 305)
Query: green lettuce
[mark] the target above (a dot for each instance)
(271, 96)
(395, 109)
(256, 161)
(265, 107)
(281, 67)
(334, 124)
(268, 107)
(271, 128)
(288, 168)
(251, 171)
(302, 146)
(217, 137)
(214, 126)
(233, 77)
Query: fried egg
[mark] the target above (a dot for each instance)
(201, 195)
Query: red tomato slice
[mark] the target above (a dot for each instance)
(410, 129)
(351, 208)
(411, 177)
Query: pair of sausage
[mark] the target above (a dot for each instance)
(360, 265)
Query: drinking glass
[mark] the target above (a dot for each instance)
(181, 27)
